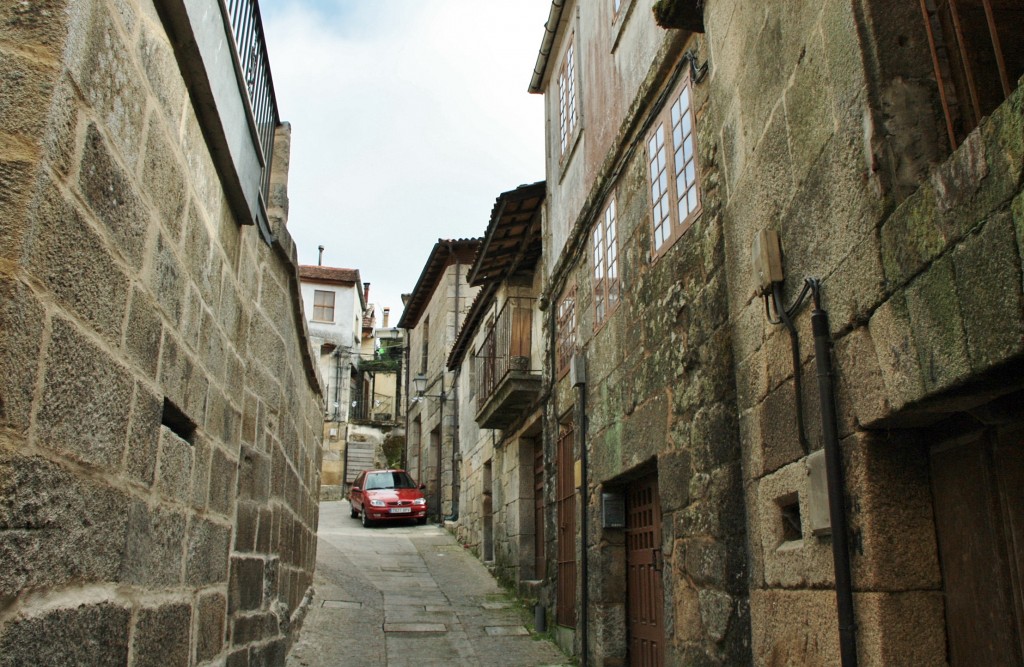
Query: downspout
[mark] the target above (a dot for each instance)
(440, 446)
(455, 385)
(456, 484)
(833, 454)
(405, 363)
(834, 476)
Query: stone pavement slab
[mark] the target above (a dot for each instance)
(409, 595)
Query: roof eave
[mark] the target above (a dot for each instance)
(550, 30)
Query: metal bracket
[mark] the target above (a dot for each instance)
(697, 73)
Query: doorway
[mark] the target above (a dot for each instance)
(565, 610)
(978, 494)
(645, 608)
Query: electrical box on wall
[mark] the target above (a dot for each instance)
(766, 259)
(613, 510)
(578, 473)
(817, 498)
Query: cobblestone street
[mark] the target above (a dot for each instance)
(402, 595)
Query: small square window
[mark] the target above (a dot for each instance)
(323, 306)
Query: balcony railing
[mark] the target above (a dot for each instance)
(251, 47)
(381, 408)
(505, 380)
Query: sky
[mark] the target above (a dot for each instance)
(409, 118)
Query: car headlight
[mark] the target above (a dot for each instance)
(376, 503)
(419, 501)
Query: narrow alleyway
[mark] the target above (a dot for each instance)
(407, 595)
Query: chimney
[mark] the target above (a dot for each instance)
(320, 260)
(366, 292)
(384, 325)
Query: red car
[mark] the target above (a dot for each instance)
(386, 495)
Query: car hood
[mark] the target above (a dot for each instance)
(391, 495)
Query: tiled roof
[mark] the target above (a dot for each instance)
(328, 274)
(512, 244)
(444, 253)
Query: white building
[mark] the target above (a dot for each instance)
(335, 305)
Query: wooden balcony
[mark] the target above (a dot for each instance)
(507, 381)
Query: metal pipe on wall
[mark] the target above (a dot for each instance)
(834, 476)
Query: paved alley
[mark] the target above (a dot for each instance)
(404, 595)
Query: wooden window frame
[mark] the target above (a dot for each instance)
(320, 310)
(565, 337)
(605, 256)
(673, 139)
(568, 99)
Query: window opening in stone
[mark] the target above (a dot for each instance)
(789, 512)
(178, 422)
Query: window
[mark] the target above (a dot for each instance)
(425, 345)
(323, 306)
(671, 157)
(606, 266)
(977, 50)
(567, 114)
(565, 341)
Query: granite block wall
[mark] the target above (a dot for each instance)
(159, 418)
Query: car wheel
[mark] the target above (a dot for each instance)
(366, 522)
(422, 521)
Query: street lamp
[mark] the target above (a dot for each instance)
(420, 385)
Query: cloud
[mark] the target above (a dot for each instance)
(408, 119)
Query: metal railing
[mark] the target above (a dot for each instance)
(506, 347)
(381, 409)
(977, 63)
(251, 47)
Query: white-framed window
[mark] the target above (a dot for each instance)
(323, 305)
(606, 264)
(672, 164)
(568, 113)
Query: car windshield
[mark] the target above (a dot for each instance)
(389, 480)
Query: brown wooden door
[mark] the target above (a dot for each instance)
(565, 609)
(978, 490)
(644, 593)
(538, 511)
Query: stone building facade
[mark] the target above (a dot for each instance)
(434, 312)
(683, 419)
(159, 408)
(498, 360)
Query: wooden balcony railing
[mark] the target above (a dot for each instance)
(504, 375)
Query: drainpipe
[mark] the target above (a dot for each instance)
(440, 446)
(834, 476)
(455, 385)
(456, 483)
(406, 379)
(578, 372)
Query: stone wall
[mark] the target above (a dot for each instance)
(159, 416)
(835, 140)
